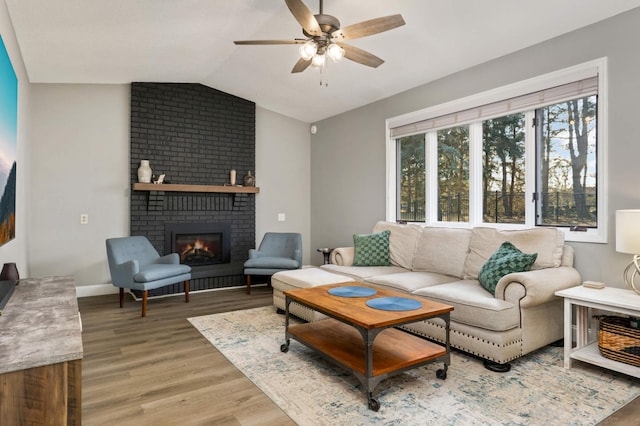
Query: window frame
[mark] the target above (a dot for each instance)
(585, 70)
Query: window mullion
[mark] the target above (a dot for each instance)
(530, 167)
(431, 154)
(475, 173)
(392, 179)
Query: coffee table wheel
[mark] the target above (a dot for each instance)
(441, 374)
(284, 347)
(373, 404)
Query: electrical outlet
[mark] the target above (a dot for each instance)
(84, 219)
(282, 217)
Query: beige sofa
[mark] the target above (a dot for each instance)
(442, 264)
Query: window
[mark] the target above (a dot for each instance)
(566, 139)
(503, 172)
(411, 200)
(453, 174)
(529, 154)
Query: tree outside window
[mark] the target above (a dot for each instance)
(503, 173)
(412, 178)
(453, 174)
(568, 169)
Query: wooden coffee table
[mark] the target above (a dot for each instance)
(362, 339)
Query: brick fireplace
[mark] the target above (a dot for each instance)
(194, 135)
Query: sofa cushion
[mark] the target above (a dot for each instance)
(402, 242)
(547, 242)
(361, 273)
(506, 260)
(442, 250)
(305, 277)
(409, 281)
(473, 305)
(371, 249)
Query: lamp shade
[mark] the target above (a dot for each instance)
(335, 52)
(628, 231)
(308, 49)
(318, 61)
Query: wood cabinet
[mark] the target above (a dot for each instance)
(41, 354)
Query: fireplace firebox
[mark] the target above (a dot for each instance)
(199, 245)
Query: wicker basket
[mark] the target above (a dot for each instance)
(618, 341)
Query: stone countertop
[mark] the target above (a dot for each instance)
(40, 325)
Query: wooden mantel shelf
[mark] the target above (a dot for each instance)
(170, 187)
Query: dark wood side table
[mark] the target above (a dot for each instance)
(326, 252)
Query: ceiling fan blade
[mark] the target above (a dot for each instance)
(304, 17)
(301, 65)
(243, 42)
(367, 28)
(361, 56)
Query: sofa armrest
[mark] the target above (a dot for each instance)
(536, 287)
(169, 259)
(343, 256)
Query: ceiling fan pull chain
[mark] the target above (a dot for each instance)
(323, 72)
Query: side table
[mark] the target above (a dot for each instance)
(326, 252)
(584, 299)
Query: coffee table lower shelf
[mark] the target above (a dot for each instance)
(393, 352)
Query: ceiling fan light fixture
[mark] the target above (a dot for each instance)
(308, 50)
(335, 52)
(325, 36)
(318, 60)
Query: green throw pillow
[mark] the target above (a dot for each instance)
(372, 249)
(506, 260)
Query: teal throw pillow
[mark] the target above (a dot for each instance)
(371, 249)
(506, 260)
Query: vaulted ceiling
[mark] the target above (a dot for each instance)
(191, 41)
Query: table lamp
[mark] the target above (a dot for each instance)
(628, 241)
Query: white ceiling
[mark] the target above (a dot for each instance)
(191, 41)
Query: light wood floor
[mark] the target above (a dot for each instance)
(159, 370)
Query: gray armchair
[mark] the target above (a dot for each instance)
(278, 251)
(135, 264)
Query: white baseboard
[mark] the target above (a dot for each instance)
(95, 290)
(102, 289)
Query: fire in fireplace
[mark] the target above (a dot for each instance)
(196, 249)
(199, 244)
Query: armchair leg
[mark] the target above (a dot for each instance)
(144, 303)
(121, 296)
(248, 284)
(186, 291)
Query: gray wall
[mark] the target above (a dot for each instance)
(282, 173)
(80, 164)
(348, 152)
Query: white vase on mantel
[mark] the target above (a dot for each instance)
(144, 172)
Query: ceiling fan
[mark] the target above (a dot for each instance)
(324, 37)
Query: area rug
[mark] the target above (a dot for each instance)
(537, 391)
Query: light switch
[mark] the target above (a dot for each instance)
(282, 217)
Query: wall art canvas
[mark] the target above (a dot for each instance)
(8, 146)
